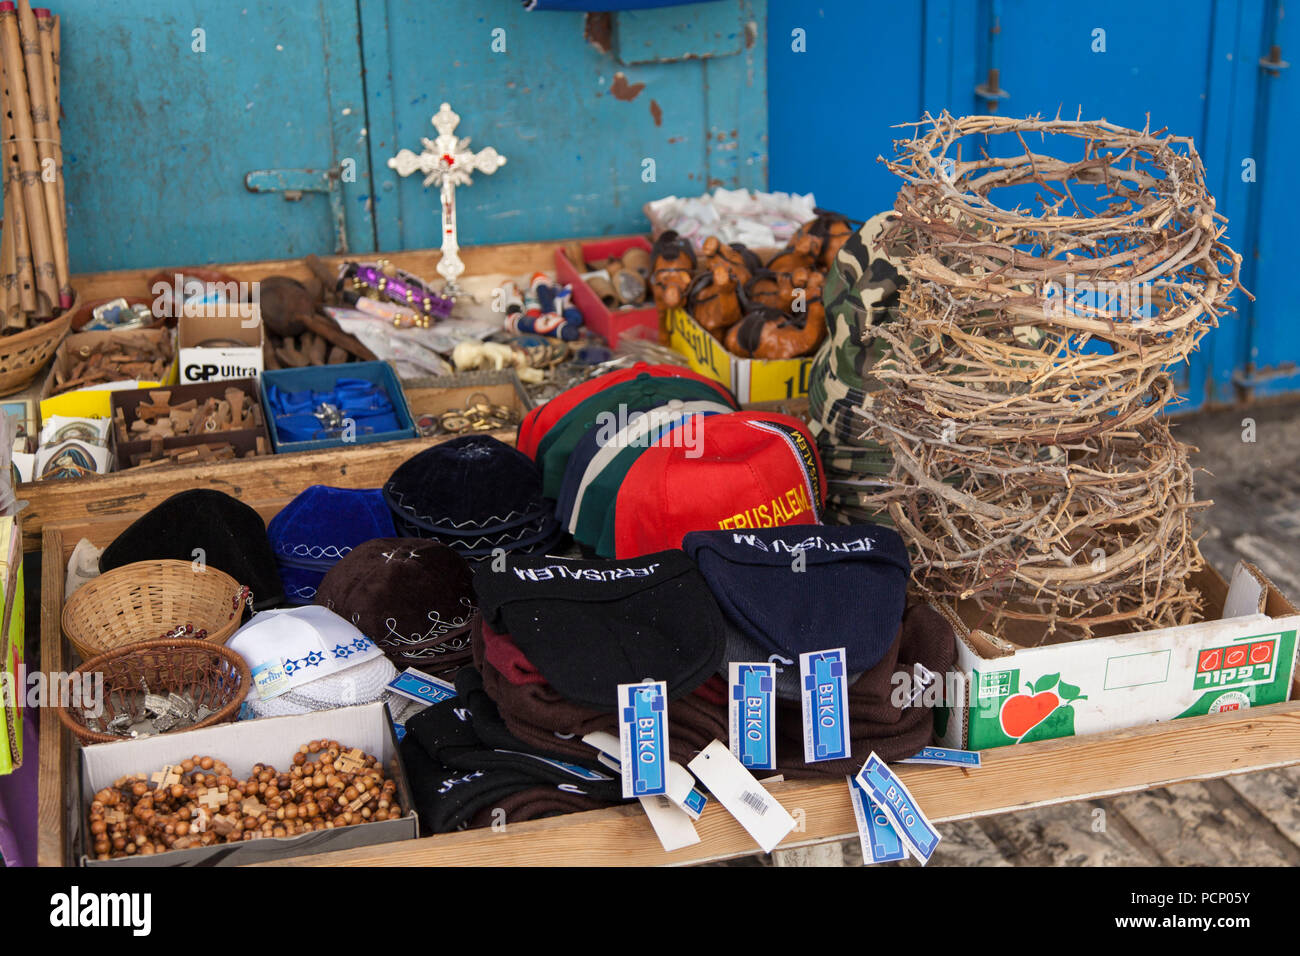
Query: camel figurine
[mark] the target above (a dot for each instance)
(766, 333)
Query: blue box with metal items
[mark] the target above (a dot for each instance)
(307, 392)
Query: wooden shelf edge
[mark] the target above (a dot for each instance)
(1012, 778)
(52, 744)
(268, 477)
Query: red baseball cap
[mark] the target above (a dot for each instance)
(539, 421)
(747, 470)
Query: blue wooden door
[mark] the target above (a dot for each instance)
(1273, 333)
(593, 122)
(1193, 65)
(169, 103)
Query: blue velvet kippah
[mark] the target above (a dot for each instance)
(320, 526)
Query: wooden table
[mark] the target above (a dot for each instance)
(1011, 778)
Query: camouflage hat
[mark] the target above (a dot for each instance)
(861, 291)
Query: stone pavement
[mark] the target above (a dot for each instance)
(1251, 819)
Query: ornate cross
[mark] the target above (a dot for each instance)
(448, 162)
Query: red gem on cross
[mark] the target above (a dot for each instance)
(446, 158)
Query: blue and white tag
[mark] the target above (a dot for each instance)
(643, 738)
(889, 793)
(270, 679)
(880, 841)
(681, 793)
(694, 803)
(753, 716)
(420, 687)
(825, 691)
(945, 758)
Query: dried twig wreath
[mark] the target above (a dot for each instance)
(1029, 363)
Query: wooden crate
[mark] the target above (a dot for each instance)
(354, 467)
(72, 500)
(1011, 778)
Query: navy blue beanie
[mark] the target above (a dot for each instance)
(850, 592)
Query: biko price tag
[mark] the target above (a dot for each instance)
(643, 738)
(889, 793)
(824, 688)
(673, 823)
(681, 791)
(753, 716)
(744, 797)
(944, 757)
(880, 842)
(421, 687)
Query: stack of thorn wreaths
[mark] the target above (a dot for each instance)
(760, 309)
(1023, 383)
(34, 272)
(556, 637)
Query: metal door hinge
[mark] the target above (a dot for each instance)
(293, 183)
(991, 91)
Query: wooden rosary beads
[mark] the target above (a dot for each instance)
(199, 802)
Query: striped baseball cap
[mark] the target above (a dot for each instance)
(541, 419)
(741, 470)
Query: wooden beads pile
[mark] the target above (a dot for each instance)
(199, 802)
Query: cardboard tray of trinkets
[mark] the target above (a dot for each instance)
(356, 466)
(1011, 778)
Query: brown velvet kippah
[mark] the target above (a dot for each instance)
(411, 596)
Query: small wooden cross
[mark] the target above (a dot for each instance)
(166, 777)
(351, 762)
(114, 815)
(252, 807)
(213, 799)
(359, 802)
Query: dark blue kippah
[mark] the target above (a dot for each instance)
(466, 487)
(797, 589)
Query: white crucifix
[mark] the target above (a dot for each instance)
(448, 162)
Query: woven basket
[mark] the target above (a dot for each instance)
(216, 676)
(22, 356)
(148, 599)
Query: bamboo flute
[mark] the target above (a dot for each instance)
(29, 167)
(15, 225)
(44, 132)
(47, 27)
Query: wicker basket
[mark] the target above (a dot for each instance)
(216, 676)
(22, 356)
(148, 599)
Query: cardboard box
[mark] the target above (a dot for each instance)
(1243, 656)
(96, 401)
(245, 440)
(200, 363)
(13, 694)
(750, 380)
(321, 378)
(428, 398)
(640, 322)
(273, 741)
